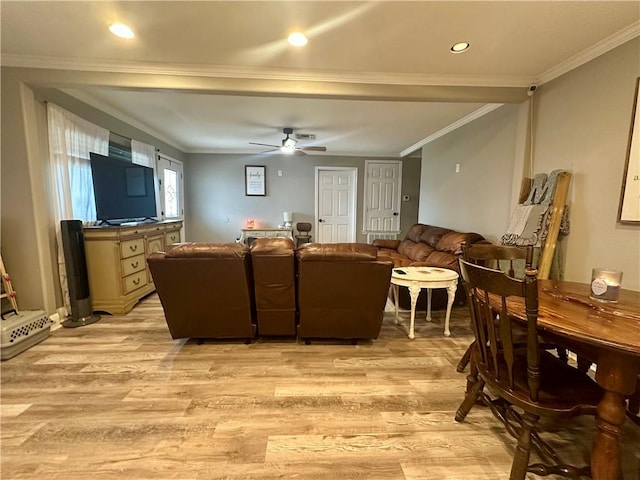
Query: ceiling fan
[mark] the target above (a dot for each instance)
(289, 145)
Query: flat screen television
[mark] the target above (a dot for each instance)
(124, 191)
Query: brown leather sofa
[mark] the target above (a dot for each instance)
(342, 290)
(431, 246)
(273, 261)
(206, 289)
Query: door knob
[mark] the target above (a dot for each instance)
(320, 220)
(395, 214)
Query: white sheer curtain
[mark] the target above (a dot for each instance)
(71, 138)
(143, 154)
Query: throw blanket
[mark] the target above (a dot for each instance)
(526, 226)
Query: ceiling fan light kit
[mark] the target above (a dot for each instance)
(289, 145)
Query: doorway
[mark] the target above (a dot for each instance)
(336, 189)
(170, 188)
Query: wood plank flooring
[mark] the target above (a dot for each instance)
(120, 400)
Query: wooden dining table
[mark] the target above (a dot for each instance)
(610, 334)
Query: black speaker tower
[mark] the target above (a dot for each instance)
(75, 263)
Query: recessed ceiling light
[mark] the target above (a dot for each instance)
(297, 39)
(459, 47)
(121, 30)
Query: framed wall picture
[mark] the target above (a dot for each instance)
(629, 210)
(254, 180)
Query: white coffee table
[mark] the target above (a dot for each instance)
(417, 278)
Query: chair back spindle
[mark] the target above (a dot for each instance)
(488, 291)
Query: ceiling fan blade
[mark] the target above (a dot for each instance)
(264, 144)
(313, 149)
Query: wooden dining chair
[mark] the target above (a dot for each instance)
(502, 257)
(531, 379)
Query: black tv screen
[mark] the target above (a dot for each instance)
(123, 190)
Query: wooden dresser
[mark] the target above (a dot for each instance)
(117, 262)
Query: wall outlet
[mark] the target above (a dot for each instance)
(279, 173)
(457, 168)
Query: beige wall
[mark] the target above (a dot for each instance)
(27, 229)
(214, 186)
(25, 221)
(582, 125)
(478, 197)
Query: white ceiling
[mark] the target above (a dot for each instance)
(376, 78)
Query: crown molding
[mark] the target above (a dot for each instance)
(482, 111)
(590, 53)
(109, 110)
(260, 73)
(245, 151)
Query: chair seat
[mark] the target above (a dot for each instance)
(564, 390)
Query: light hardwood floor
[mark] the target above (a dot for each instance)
(120, 400)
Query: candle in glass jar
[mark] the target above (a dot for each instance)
(605, 284)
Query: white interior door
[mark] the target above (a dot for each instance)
(170, 188)
(383, 185)
(336, 204)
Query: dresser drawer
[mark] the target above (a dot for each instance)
(129, 248)
(154, 244)
(134, 281)
(172, 237)
(132, 264)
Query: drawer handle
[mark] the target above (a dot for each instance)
(134, 265)
(133, 248)
(136, 281)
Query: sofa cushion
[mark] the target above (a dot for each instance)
(337, 252)
(415, 232)
(272, 246)
(432, 235)
(452, 241)
(207, 250)
(418, 252)
(398, 259)
(443, 260)
(386, 243)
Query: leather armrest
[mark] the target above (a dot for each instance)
(384, 243)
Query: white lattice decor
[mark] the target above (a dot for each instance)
(22, 331)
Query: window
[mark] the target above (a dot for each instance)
(171, 187)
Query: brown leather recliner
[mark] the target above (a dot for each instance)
(342, 290)
(274, 278)
(206, 289)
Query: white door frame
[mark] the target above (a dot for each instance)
(162, 156)
(354, 196)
